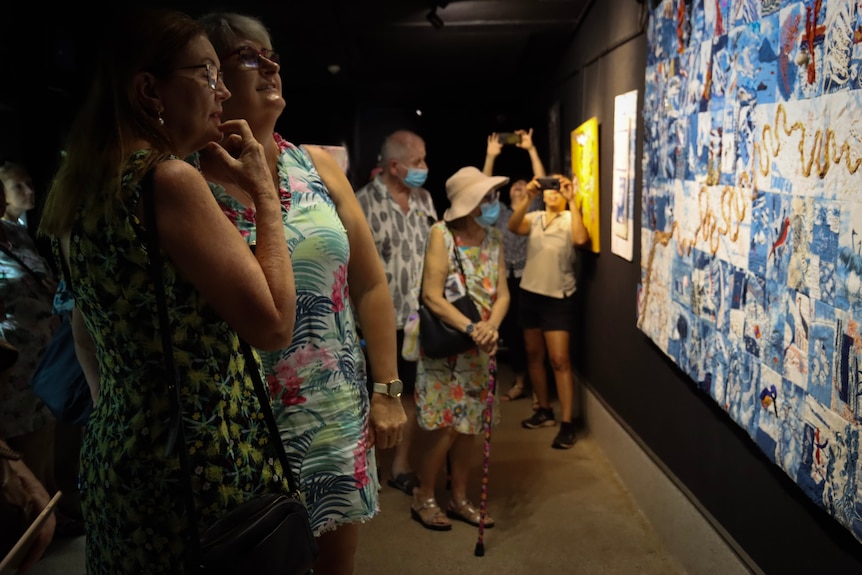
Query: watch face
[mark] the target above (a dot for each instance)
(395, 387)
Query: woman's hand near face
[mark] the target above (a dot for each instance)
(532, 190)
(519, 223)
(567, 190)
(243, 158)
(253, 292)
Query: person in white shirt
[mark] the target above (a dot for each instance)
(546, 303)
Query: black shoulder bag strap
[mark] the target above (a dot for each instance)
(177, 431)
(457, 251)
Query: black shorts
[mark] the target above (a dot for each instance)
(547, 313)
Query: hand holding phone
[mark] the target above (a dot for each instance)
(509, 138)
(549, 183)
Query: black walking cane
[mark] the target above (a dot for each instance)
(489, 411)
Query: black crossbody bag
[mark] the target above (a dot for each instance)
(270, 533)
(439, 339)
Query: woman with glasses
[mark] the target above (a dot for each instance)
(156, 99)
(328, 422)
(464, 254)
(546, 300)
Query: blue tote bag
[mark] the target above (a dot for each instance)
(59, 380)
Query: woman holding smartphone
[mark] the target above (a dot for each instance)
(547, 302)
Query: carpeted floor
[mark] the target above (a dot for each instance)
(557, 512)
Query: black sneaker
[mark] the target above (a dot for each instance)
(565, 439)
(542, 417)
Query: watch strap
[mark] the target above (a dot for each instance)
(386, 388)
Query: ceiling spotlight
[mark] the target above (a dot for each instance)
(435, 20)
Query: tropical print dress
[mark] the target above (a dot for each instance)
(28, 324)
(318, 383)
(133, 496)
(453, 391)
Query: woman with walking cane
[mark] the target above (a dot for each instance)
(464, 255)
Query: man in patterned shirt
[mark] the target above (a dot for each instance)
(400, 213)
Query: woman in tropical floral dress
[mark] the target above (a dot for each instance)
(319, 386)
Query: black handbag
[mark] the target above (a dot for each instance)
(270, 533)
(439, 339)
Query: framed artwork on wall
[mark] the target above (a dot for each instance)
(585, 167)
(625, 139)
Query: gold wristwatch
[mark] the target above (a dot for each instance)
(392, 388)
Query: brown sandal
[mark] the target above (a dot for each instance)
(468, 513)
(429, 515)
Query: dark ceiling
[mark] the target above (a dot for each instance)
(477, 72)
(387, 48)
(390, 45)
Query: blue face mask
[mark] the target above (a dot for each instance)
(415, 177)
(490, 213)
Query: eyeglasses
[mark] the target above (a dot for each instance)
(213, 74)
(250, 58)
(491, 197)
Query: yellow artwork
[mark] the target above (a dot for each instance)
(585, 167)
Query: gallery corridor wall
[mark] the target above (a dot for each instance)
(764, 513)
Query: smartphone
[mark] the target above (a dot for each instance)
(549, 183)
(16, 555)
(509, 138)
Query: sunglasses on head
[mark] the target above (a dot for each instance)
(251, 58)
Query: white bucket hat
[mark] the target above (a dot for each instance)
(466, 188)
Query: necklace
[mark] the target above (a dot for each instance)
(546, 223)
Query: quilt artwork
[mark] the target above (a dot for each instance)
(751, 228)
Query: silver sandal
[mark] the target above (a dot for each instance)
(468, 513)
(427, 513)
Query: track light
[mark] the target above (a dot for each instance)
(434, 19)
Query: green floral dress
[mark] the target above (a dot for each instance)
(132, 491)
(453, 391)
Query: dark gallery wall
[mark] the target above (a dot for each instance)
(751, 499)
